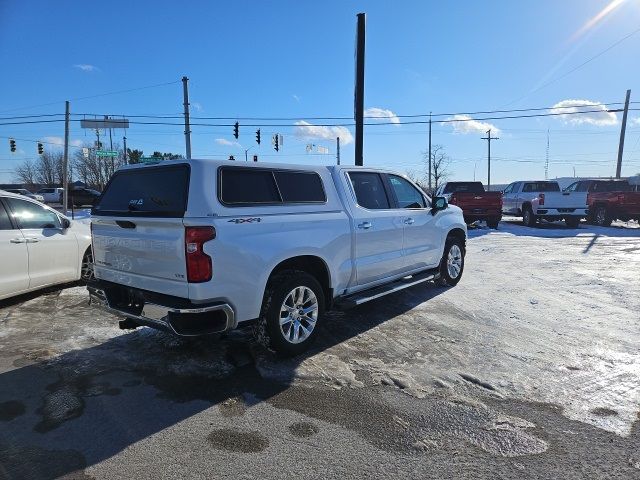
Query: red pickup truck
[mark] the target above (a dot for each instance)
(476, 204)
(609, 200)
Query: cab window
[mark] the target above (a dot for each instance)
(369, 190)
(5, 221)
(407, 195)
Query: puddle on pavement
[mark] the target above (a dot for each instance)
(234, 440)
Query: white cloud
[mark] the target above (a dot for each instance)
(85, 67)
(295, 97)
(309, 131)
(381, 114)
(598, 114)
(464, 124)
(227, 143)
(197, 106)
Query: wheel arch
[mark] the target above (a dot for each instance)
(311, 264)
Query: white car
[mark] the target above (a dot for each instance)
(51, 194)
(39, 247)
(201, 246)
(26, 193)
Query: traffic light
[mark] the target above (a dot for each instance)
(12, 144)
(275, 142)
(255, 158)
(231, 157)
(40, 148)
(236, 129)
(258, 136)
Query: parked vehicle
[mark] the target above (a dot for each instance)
(535, 200)
(201, 246)
(39, 247)
(476, 204)
(51, 194)
(80, 196)
(26, 193)
(609, 200)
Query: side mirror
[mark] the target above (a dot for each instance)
(437, 204)
(66, 223)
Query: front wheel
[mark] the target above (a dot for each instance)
(452, 263)
(292, 306)
(493, 222)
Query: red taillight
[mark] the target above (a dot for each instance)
(199, 265)
(541, 199)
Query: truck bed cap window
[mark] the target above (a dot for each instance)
(242, 186)
(149, 191)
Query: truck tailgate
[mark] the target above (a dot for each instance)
(477, 202)
(146, 253)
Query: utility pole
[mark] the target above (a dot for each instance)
(622, 133)
(338, 150)
(65, 160)
(546, 163)
(113, 162)
(187, 129)
(359, 90)
(124, 141)
(488, 138)
(429, 153)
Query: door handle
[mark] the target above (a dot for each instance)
(31, 240)
(365, 225)
(17, 240)
(409, 221)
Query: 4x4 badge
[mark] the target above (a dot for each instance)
(246, 220)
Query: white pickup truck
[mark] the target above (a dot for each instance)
(196, 247)
(535, 200)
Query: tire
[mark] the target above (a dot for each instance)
(453, 254)
(493, 223)
(86, 269)
(572, 222)
(602, 217)
(276, 328)
(528, 218)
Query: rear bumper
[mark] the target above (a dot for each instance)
(162, 312)
(542, 211)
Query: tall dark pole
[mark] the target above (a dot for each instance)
(359, 88)
(187, 128)
(622, 132)
(429, 153)
(488, 138)
(65, 161)
(124, 140)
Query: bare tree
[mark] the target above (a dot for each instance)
(94, 170)
(440, 163)
(26, 172)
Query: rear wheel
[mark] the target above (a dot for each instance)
(602, 216)
(493, 222)
(292, 306)
(452, 263)
(86, 271)
(528, 218)
(572, 222)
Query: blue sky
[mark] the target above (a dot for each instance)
(293, 59)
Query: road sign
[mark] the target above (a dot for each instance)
(85, 152)
(106, 153)
(150, 159)
(105, 123)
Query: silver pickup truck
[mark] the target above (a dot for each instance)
(203, 246)
(543, 200)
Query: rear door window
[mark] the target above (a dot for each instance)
(369, 190)
(148, 191)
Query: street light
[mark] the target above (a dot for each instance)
(246, 157)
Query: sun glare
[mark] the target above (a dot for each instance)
(596, 19)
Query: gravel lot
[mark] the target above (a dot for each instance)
(529, 368)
